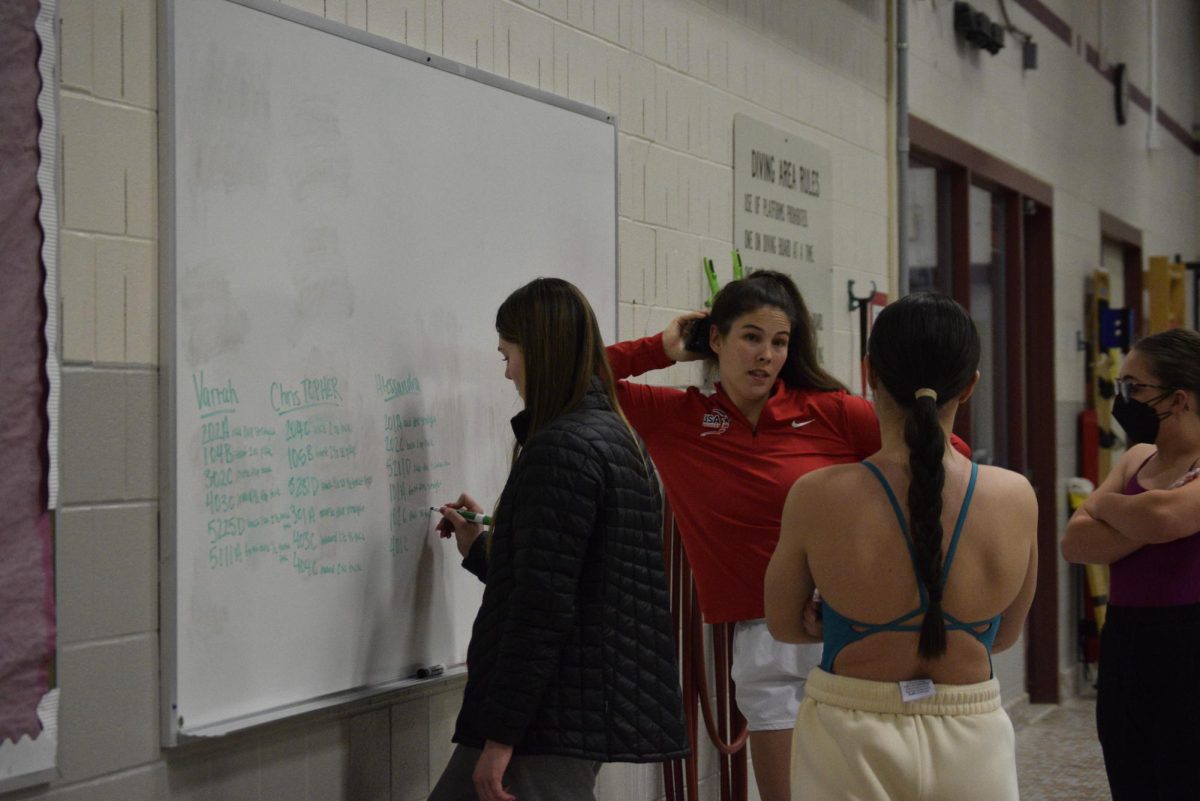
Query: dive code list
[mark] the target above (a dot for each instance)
(288, 482)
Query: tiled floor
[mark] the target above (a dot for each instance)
(1058, 756)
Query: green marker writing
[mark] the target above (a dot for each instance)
(474, 517)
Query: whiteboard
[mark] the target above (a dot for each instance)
(342, 215)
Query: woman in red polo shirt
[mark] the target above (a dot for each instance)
(727, 461)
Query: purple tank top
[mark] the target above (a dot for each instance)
(1156, 575)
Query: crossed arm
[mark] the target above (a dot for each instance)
(1111, 525)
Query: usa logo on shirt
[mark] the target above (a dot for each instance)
(717, 420)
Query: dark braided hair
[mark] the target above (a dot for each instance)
(925, 341)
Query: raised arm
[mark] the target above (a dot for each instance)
(645, 405)
(470, 538)
(637, 356)
(789, 582)
(1088, 540)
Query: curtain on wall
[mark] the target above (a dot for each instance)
(26, 561)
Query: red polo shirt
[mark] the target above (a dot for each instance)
(727, 481)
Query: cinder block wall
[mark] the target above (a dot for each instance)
(107, 535)
(674, 71)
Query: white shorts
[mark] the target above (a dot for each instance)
(769, 675)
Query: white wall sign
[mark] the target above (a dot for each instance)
(782, 211)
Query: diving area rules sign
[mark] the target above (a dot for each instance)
(782, 210)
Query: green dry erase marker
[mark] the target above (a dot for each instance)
(474, 517)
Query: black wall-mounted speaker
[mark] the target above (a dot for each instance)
(977, 28)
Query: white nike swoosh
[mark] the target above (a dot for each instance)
(803, 423)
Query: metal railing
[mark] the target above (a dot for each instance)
(725, 726)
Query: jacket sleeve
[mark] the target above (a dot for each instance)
(643, 405)
(554, 512)
(862, 428)
(476, 560)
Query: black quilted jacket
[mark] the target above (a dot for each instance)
(572, 651)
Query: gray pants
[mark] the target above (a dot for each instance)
(529, 778)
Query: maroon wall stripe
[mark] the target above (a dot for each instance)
(1052, 22)
(1059, 27)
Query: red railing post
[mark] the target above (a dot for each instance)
(680, 777)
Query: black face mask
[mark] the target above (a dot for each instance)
(1139, 419)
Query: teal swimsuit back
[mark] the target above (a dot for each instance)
(840, 631)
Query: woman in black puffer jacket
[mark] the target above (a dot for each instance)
(572, 659)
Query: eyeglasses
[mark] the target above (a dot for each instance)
(1127, 386)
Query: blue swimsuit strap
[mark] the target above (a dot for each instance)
(841, 631)
(958, 527)
(962, 518)
(912, 554)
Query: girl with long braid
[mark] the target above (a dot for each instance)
(926, 564)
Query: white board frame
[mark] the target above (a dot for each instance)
(172, 732)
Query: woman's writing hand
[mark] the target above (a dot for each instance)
(453, 524)
(674, 337)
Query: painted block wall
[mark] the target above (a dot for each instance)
(674, 71)
(1058, 123)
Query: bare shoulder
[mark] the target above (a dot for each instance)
(827, 479)
(1132, 459)
(814, 502)
(1007, 491)
(1005, 481)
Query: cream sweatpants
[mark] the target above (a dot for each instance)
(856, 739)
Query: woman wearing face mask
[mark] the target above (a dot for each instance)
(1143, 521)
(727, 461)
(572, 655)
